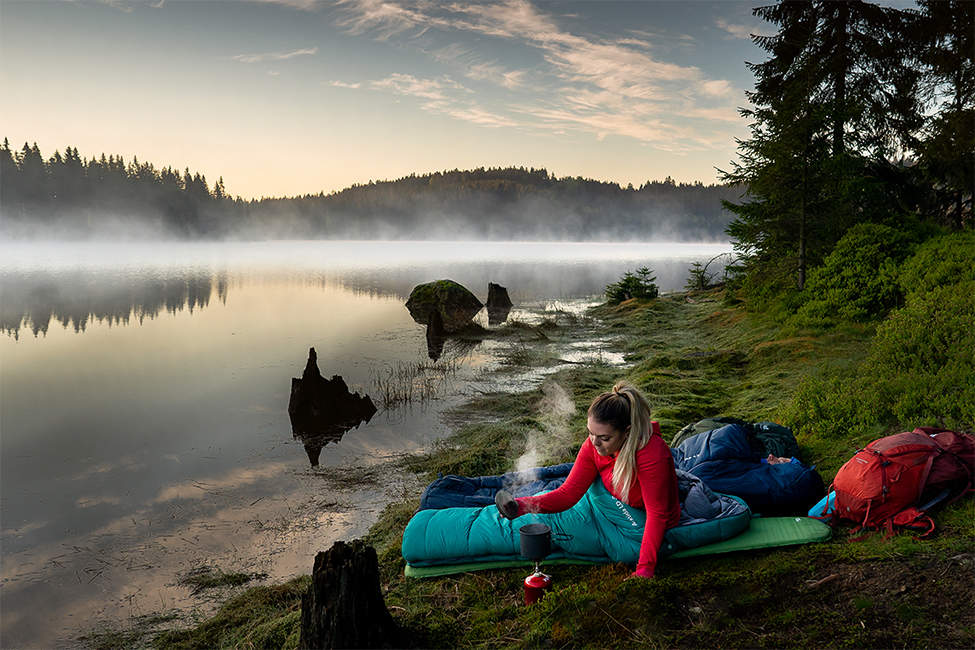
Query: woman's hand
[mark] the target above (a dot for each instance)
(506, 503)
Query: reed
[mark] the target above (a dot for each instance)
(413, 382)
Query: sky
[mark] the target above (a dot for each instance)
(288, 97)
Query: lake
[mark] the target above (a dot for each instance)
(144, 391)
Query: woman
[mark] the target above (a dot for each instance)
(634, 463)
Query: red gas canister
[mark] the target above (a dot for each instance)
(535, 586)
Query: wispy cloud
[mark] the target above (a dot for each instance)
(407, 84)
(475, 67)
(603, 86)
(306, 5)
(740, 31)
(497, 74)
(344, 84)
(443, 96)
(274, 56)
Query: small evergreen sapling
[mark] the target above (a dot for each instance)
(638, 284)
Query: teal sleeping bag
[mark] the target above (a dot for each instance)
(599, 528)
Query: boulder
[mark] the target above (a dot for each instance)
(498, 304)
(497, 296)
(344, 607)
(453, 302)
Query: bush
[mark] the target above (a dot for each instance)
(923, 359)
(940, 261)
(858, 280)
(829, 405)
(920, 370)
(641, 284)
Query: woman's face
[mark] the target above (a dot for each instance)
(606, 439)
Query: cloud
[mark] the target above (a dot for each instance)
(602, 86)
(496, 74)
(274, 56)
(305, 5)
(407, 84)
(741, 31)
(443, 96)
(344, 84)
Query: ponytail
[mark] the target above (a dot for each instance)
(626, 410)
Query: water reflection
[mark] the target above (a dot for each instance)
(50, 284)
(34, 300)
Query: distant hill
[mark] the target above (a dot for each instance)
(69, 196)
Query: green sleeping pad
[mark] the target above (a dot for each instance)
(766, 532)
(763, 532)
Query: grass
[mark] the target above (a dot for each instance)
(695, 357)
(202, 578)
(412, 382)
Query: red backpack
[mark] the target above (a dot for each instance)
(882, 485)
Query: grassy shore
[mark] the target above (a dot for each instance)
(694, 356)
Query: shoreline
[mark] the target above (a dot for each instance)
(696, 357)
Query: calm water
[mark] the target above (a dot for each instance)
(144, 391)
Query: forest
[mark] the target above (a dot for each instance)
(862, 125)
(70, 196)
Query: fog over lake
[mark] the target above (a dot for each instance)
(144, 392)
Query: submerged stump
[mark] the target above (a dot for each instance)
(498, 304)
(343, 607)
(322, 410)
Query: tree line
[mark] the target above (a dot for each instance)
(68, 195)
(861, 114)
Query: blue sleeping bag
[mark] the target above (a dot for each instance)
(454, 491)
(599, 528)
(725, 460)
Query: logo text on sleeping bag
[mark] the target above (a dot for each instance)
(619, 504)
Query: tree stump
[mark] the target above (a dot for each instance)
(343, 607)
(498, 304)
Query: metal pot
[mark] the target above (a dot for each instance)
(536, 541)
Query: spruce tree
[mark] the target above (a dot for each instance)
(831, 105)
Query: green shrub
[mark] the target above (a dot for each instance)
(923, 358)
(920, 370)
(858, 280)
(940, 261)
(641, 284)
(829, 405)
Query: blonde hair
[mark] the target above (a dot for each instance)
(626, 410)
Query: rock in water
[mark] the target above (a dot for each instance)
(455, 304)
(321, 410)
(343, 607)
(497, 296)
(498, 304)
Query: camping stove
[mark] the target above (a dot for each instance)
(536, 585)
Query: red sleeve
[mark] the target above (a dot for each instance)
(581, 476)
(658, 487)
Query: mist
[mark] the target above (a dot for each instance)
(70, 199)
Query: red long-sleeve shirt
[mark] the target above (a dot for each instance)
(654, 490)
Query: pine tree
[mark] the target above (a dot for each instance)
(947, 147)
(832, 102)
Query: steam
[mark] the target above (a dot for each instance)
(555, 409)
